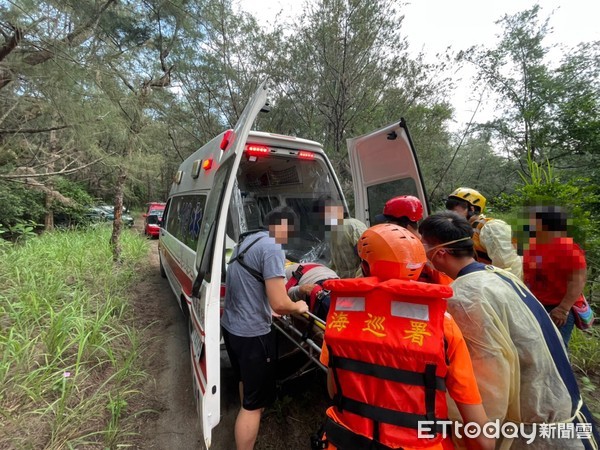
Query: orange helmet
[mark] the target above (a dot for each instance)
(391, 251)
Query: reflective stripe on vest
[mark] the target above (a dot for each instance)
(387, 356)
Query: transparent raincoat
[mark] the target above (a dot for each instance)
(496, 237)
(515, 370)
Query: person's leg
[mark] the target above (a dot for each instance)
(258, 386)
(246, 428)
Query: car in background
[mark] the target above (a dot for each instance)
(105, 213)
(155, 208)
(152, 224)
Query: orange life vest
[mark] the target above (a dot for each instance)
(387, 356)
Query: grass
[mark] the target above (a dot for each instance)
(68, 359)
(585, 358)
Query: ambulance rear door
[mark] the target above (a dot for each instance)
(384, 165)
(204, 312)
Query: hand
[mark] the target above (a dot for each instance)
(306, 289)
(301, 307)
(559, 316)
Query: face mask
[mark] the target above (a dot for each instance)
(331, 221)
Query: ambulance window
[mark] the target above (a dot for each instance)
(185, 217)
(213, 208)
(381, 193)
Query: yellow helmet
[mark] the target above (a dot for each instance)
(471, 196)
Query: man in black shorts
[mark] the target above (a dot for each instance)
(255, 286)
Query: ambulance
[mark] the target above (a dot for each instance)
(227, 187)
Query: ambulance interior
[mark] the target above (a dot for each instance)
(264, 183)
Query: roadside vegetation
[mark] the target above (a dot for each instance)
(68, 351)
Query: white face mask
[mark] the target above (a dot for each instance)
(331, 221)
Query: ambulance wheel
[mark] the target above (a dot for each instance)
(162, 269)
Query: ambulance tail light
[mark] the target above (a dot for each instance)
(254, 150)
(303, 154)
(227, 140)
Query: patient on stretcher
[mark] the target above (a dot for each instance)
(304, 282)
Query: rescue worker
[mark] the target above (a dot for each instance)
(520, 362)
(492, 238)
(344, 233)
(305, 282)
(254, 288)
(391, 362)
(404, 210)
(407, 211)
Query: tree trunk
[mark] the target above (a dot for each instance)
(49, 217)
(115, 238)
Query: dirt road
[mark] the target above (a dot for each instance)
(171, 421)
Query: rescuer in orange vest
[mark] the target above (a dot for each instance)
(393, 352)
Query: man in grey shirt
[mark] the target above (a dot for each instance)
(255, 286)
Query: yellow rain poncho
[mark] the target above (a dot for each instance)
(518, 377)
(496, 237)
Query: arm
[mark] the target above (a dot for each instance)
(476, 414)
(279, 300)
(575, 286)
(300, 292)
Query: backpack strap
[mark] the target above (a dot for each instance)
(241, 254)
(297, 274)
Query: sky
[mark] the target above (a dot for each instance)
(433, 25)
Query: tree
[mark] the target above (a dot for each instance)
(344, 70)
(544, 111)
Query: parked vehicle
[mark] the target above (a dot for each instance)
(152, 224)
(155, 208)
(103, 213)
(227, 187)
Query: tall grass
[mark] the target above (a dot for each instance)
(585, 357)
(67, 355)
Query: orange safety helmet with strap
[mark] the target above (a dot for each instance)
(387, 356)
(386, 346)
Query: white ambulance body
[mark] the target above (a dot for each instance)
(228, 186)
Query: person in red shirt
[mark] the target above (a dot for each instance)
(554, 267)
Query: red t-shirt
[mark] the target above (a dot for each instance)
(547, 268)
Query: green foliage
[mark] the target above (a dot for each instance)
(19, 204)
(546, 110)
(66, 350)
(542, 187)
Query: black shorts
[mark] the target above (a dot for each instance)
(253, 360)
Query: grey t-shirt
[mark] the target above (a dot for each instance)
(247, 311)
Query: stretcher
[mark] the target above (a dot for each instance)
(300, 334)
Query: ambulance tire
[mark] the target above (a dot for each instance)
(161, 268)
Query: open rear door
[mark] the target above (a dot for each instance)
(205, 333)
(384, 165)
